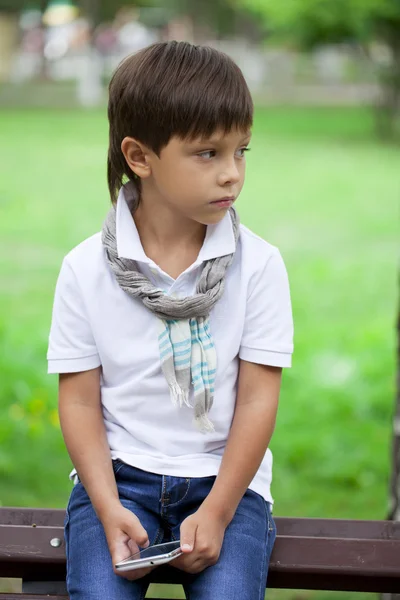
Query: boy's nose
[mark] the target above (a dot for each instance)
(230, 174)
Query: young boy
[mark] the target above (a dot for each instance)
(170, 330)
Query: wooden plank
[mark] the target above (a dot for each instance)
(43, 597)
(21, 543)
(364, 558)
(298, 561)
(317, 563)
(24, 544)
(30, 597)
(339, 528)
(47, 517)
(22, 596)
(7, 596)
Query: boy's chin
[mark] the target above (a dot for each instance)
(212, 217)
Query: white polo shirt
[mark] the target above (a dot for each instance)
(96, 323)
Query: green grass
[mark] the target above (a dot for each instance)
(320, 188)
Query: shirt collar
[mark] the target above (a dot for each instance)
(219, 240)
(128, 240)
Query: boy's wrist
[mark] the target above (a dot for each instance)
(106, 507)
(220, 510)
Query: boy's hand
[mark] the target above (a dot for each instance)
(124, 533)
(202, 535)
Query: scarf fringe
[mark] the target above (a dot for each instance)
(204, 424)
(179, 396)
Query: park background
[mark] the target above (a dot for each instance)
(322, 184)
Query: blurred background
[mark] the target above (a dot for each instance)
(323, 184)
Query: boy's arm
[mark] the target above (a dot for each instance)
(202, 533)
(251, 431)
(84, 433)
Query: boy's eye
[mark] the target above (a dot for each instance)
(207, 154)
(241, 151)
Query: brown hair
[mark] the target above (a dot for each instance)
(172, 89)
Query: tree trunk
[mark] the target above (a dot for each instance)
(394, 500)
(91, 9)
(388, 113)
(89, 77)
(394, 507)
(43, 75)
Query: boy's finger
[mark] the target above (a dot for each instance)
(119, 551)
(188, 535)
(137, 532)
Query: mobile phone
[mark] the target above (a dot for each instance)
(152, 556)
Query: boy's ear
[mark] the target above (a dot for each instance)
(136, 155)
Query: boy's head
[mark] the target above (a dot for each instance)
(180, 118)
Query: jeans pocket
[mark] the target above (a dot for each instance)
(270, 520)
(117, 465)
(66, 538)
(271, 533)
(66, 531)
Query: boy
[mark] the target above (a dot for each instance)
(170, 330)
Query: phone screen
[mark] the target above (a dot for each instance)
(152, 551)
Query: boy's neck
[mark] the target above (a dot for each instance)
(164, 234)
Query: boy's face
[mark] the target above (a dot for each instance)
(193, 175)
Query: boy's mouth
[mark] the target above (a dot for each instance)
(223, 202)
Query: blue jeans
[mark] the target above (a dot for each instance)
(162, 503)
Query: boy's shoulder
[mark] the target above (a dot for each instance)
(255, 248)
(86, 254)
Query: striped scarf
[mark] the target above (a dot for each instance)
(187, 351)
(188, 356)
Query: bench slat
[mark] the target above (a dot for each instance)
(31, 597)
(41, 597)
(297, 561)
(24, 544)
(339, 528)
(47, 517)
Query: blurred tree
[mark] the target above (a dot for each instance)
(394, 510)
(98, 10)
(221, 17)
(105, 10)
(94, 8)
(311, 23)
(18, 5)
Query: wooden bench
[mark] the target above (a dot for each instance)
(319, 554)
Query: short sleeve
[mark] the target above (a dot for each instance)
(268, 330)
(71, 344)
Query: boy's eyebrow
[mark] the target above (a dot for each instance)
(247, 136)
(219, 138)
